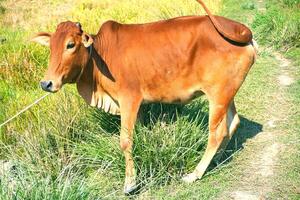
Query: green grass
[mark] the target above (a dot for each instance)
(279, 27)
(242, 11)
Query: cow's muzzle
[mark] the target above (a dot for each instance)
(47, 86)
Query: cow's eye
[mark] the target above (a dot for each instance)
(70, 45)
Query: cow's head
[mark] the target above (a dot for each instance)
(69, 53)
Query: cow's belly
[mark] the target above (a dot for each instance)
(172, 95)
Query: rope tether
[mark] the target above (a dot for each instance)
(24, 109)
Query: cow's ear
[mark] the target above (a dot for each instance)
(87, 40)
(42, 38)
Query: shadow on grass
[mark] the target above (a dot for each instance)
(109, 123)
(169, 113)
(195, 112)
(246, 130)
(150, 114)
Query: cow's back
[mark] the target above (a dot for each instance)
(172, 60)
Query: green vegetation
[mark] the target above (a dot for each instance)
(279, 26)
(63, 149)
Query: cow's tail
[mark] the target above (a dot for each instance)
(242, 34)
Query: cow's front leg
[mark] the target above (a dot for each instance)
(129, 107)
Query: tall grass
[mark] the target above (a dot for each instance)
(63, 149)
(279, 25)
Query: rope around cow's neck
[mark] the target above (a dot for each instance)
(24, 109)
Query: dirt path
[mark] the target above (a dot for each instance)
(264, 150)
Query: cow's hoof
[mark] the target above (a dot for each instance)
(130, 189)
(130, 186)
(190, 178)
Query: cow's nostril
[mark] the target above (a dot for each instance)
(49, 85)
(46, 85)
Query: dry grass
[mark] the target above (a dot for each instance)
(37, 15)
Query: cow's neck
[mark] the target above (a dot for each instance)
(96, 84)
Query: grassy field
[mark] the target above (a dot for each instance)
(63, 149)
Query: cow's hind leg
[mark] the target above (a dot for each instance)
(233, 121)
(218, 135)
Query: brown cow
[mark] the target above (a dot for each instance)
(174, 60)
